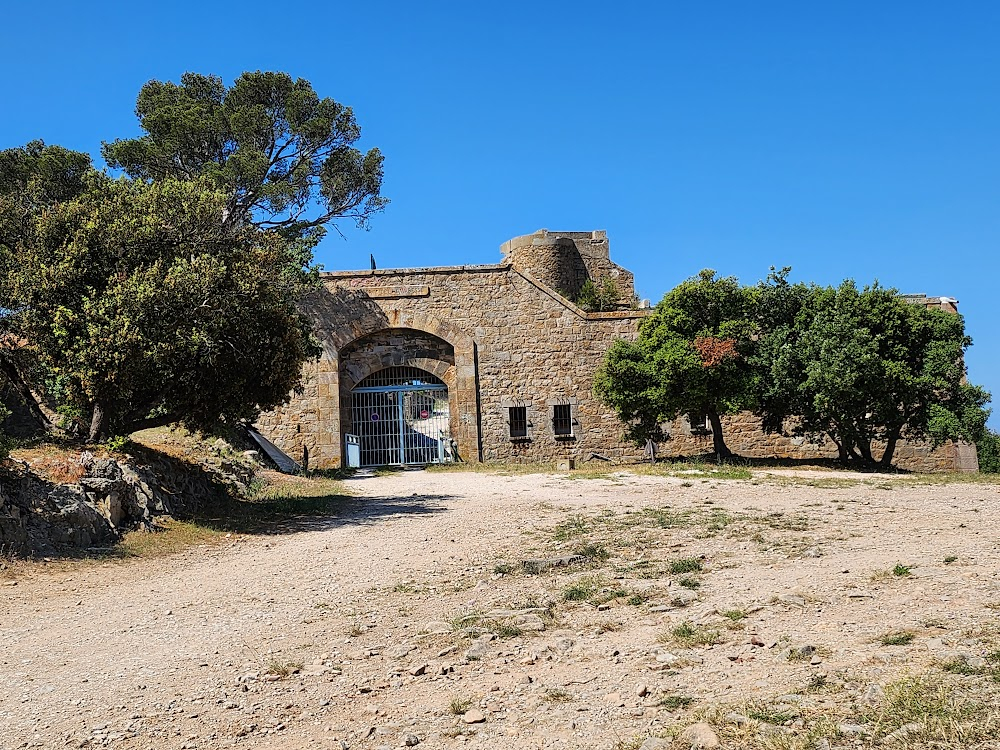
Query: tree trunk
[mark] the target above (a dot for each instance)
(843, 455)
(146, 424)
(718, 443)
(866, 451)
(890, 448)
(9, 369)
(96, 423)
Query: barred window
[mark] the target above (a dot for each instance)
(699, 422)
(517, 420)
(562, 419)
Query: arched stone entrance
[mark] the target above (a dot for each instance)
(358, 344)
(401, 416)
(376, 368)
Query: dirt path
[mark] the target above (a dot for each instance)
(192, 651)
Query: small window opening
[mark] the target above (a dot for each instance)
(562, 419)
(699, 422)
(517, 419)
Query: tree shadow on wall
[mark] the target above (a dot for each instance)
(342, 314)
(782, 463)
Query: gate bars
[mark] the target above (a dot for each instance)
(400, 423)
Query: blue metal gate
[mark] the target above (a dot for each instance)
(401, 416)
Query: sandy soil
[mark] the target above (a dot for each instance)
(366, 630)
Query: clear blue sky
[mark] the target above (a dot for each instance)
(849, 139)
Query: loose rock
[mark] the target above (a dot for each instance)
(701, 736)
(474, 716)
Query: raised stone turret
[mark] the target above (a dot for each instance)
(564, 261)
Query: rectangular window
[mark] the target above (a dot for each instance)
(562, 419)
(517, 419)
(699, 423)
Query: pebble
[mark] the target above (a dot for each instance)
(793, 600)
(873, 694)
(856, 730)
(530, 622)
(901, 734)
(683, 598)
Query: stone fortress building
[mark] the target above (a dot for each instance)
(492, 363)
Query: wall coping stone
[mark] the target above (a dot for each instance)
(404, 271)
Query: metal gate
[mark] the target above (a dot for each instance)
(401, 416)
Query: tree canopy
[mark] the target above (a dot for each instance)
(284, 157)
(169, 294)
(865, 368)
(689, 358)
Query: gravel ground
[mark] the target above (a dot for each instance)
(410, 618)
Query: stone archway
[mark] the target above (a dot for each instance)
(452, 359)
(375, 354)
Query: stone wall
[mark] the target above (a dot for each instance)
(745, 437)
(507, 337)
(295, 427)
(502, 337)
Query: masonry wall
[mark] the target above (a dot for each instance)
(501, 338)
(745, 436)
(527, 345)
(294, 427)
(564, 261)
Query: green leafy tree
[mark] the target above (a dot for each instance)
(284, 157)
(135, 306)
(690, 357)
(988, 450)
(33, 179)
(777, 304)
(867, 367)
(170, 294)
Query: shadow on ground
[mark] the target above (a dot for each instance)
(292, 515)
(782, 463)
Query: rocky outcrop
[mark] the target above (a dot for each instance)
(42, 517)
